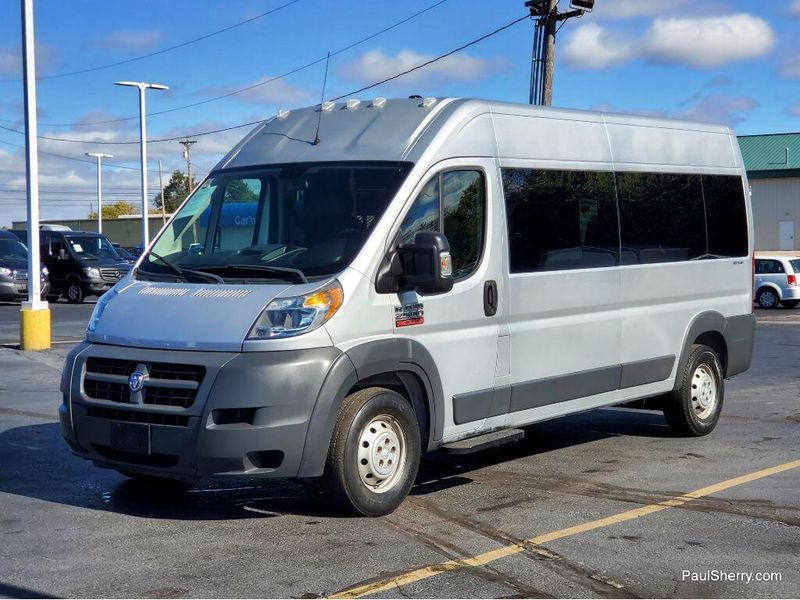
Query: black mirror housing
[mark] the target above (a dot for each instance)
(426, 263)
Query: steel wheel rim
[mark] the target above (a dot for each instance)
(767, 299)
(72, 292)
(704, 391)
(382, 451)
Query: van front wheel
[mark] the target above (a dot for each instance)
(74, 292)
(694, 408)
(374, 453)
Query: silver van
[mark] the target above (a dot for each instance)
(776, 280)
(426, 274)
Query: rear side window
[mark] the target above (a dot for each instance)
(661, 217)
(767, 267)
(795, 265)
(453, 202)
(560, 220)
(726, 214)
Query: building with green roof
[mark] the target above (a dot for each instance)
(773, 167)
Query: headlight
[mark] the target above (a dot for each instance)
(92, 272)
(100, 308)
(5, 272)
(45, 272)
(287, 317)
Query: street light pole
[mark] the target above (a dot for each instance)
(99, 156)
(143, 148)
(34, 314)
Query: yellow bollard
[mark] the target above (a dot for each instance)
(34, 329)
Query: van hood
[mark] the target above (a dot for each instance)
(183, 316)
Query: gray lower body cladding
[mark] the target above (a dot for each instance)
(249, 417)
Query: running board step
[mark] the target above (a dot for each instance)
(482, 442)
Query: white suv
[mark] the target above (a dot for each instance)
(776, 281)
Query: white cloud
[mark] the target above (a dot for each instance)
(699, 42)
(592, 46)
(11, 59)
(709, 41)
(376, 65)
(279, 91)
(627, 9)
(794, 8)
(793, 111)
(790, 67)
(131, 40)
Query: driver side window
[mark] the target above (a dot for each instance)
(453, 203)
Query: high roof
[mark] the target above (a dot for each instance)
(765, 156)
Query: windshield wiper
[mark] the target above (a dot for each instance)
(184, 272)
(265, 269)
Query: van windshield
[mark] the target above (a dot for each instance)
(288, 222)
(11, 249)
(91, 247)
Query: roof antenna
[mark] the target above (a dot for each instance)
(322, 99)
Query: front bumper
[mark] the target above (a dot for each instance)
(279, 388)
(96, 287)
(18, 290)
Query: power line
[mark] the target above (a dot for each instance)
(163, 50)
(251, 123)
(433, 60)
(260, 83)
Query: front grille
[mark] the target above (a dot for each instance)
(135, 416)
(113, 273)
(166, 384)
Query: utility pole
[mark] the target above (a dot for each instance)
(99, 156)
(163, 200)
(187, 147)
(34, 328)
(543, 56)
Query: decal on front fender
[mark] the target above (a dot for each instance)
(409, 314)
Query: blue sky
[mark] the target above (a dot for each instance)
(729, 61)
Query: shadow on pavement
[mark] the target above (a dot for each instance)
(37, 464)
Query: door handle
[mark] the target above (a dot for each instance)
(490, 298)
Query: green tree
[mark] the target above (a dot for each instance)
(175, 192)
(112, 211)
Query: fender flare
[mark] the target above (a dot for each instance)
(392, 355)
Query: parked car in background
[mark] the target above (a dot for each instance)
(776, 280)
(14, 269)
(81, 263)
(126, 255)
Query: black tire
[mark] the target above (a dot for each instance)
(790, 303)
(684, 416)
(342, 480)
(767, 298)
(74, 292)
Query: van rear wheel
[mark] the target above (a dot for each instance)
(767, 298)
(374, 453)
(694, 408)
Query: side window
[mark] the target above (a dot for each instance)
(560, 220)
(44, 243)
(726, 215)
(238, 210)
(775, 266)
(453, 202)
(56, 245)
(662, 217)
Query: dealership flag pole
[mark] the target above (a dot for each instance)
(34, 330)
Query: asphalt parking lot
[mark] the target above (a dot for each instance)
(602, 504)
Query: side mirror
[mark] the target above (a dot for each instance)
(424, 266)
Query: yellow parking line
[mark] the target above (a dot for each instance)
(376, 587)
